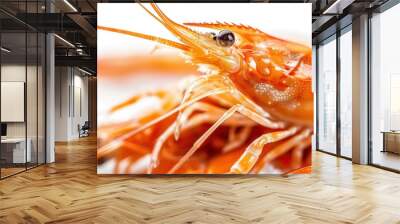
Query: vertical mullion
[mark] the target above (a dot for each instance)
(338, 74)
(45, 87)
(44, 107)
(369, 87)
(37, 90)
(69, 92)
(316, 97)
(26, 87)
(73, 93)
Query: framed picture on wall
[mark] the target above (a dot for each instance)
(204, 88)
(12, 101)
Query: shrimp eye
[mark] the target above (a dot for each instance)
(225, 38)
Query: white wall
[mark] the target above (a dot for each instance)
(71, 94)
(80, 103)
(62, 81)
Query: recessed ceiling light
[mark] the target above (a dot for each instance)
(64, 40)
(84, 71)
(338, 6)
(70, 5)
(5, 50)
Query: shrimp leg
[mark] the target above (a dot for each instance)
(236, 140)
(208, 83)
(197, 87)
(192, 122)
(249, 158)
(116, 143)
(164, 136)
(236, 108)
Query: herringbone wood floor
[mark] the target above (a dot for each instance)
(69, 191)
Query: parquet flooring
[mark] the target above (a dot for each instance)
(69, 191)
(10, 171)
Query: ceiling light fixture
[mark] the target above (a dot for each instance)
(79, 51)
(337, 7)
(70, 5)
(64, 40)
(5, 50)
(84, 71)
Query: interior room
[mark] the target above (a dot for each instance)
(22, 103)
(199, 111)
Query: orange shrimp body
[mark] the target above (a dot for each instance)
(279, 87)
(274, 73)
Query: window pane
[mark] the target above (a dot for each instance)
(13, 86)
(31, 97)
(385, 84)
(327, 96)
(346, 94)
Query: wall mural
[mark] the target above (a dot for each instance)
(196, 88)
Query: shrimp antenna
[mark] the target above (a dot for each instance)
(146, 36)
(148, 11)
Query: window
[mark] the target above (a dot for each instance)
(346, 92)
(327, 95)
(385, 89)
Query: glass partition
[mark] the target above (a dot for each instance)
(14, 153)
(32, 86)
(385, 89)
(327, 95)
(22, 77)
(31, 99)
